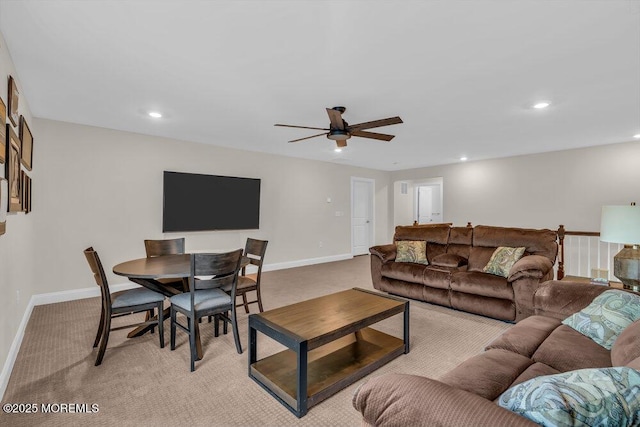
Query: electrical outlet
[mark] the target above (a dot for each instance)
(320, 244)
(17, 295)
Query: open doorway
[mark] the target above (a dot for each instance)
(419, 200)
(428, 202)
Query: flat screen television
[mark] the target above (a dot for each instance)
(197, 202)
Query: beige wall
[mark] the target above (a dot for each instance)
(17, 245)
(541, 190)
(103, 188)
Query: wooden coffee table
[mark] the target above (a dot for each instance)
(330, 345)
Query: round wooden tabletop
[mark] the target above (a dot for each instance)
(160, 267)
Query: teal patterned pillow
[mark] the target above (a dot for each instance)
(586, 397)
(502, 260)
(412, 251)
(606, 317)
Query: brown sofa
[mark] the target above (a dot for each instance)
(538, 345)
(454, 276)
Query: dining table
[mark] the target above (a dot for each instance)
(155, 273)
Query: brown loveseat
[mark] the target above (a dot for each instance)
(454, 276)
(538, 345)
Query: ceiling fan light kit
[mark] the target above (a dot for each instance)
(339, 130)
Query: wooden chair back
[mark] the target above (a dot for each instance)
(98, 274)
(255, 250)
(223, 267)
(164, 247)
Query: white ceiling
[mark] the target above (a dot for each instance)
(461, 74)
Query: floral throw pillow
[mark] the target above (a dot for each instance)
(412, 251)
(585, 397)
(502, 260)
(606, 317)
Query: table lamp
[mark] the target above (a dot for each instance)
(621, 224)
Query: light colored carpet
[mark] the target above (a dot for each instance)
(140, 384)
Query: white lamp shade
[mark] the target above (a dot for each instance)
(620, 224)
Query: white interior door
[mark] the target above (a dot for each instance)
(361, 215)
(429, 203)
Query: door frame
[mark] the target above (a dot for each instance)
(372, 210)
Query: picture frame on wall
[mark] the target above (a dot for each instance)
(26, 191)
(26, 144)
(14, 98)
(3, 136)
(12, 170)
(3, 205)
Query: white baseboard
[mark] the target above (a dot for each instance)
(76, 294)
(304, 262)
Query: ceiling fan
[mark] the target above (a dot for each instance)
(340, 131)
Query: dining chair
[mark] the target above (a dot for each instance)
(161, 247)
(121, 304)
(164, 247)
(206, 298)
(254, 250)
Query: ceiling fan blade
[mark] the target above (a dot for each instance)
(341, 143)
(335, 117)
(375, 124)
(308, 137)
(300, 127)
(372, 135)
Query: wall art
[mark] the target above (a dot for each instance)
(14, 98)
(12, 170)
(26, 144)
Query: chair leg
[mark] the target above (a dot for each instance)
(148, 316)
(244, 301)
(234, 325)
(192, 341)
(259, 299)
(216, 325)
(173, 329)
(100, 326)
(105, 338)
(161, 324)
(225, 324)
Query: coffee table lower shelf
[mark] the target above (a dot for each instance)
(330, 367)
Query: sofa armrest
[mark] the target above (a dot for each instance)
(385, 252)
(411, 400)
(449, 260)
(531, 266)
(560, 299)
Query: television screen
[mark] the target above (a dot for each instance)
(196, 202)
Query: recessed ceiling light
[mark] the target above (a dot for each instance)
(155, 114)
(637, 136)
(541, 105)
(463, 159)
(338, 150)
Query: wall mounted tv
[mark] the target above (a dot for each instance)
(196, 202)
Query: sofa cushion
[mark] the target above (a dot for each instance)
(566, 349)
(606, 317)
(449, 260)
(586, 397)
(460, 240)
(407, 271)
(627, 347)
(437, 277)
(533, 371)
(488, 374)
(479, 257)
(482, 284)
(434, 234)
(526, 336)
(412, 251)
(502, 260)
(537, 242)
